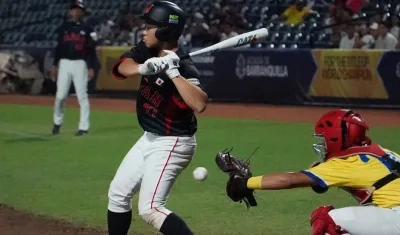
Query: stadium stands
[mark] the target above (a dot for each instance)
(35, 22)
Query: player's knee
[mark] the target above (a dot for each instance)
(322, 223)
(82, 97)
(154, 217)
(61, 96)
(118, 202)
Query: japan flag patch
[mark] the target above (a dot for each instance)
(159, 81)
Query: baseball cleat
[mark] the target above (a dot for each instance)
(81, 133)
(56, 129)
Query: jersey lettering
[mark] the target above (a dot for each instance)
(74, 37)
(150, 110)
(146, 92)
(79, 47)
(153, 98)
(158, 108)
(156, 99)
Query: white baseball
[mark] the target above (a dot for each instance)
(200, 173)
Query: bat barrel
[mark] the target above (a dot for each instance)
(234, 42)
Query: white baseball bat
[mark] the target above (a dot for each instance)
(237, 41)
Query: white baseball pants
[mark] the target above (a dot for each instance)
(368, 220)
(72, 71)
(151, 166)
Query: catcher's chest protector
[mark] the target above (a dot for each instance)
(364, 195)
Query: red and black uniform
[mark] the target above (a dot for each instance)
(75, 43)
(160, 109)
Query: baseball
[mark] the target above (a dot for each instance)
(200, 173)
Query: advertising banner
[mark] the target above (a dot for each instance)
(368, 78)
(347, 74)
(205, 66)
(108, 56)
(254, 75)
(389, 71)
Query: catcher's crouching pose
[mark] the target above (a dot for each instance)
(349, 161)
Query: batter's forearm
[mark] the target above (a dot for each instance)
(193, 96)
(128, 68)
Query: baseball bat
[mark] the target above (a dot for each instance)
(233, 42)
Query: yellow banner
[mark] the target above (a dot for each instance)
(108, 56)
(347, 74)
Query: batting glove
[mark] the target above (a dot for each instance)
(172, 60)
(153, 66)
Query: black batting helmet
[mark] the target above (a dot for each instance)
(77, 4)
(168, 17)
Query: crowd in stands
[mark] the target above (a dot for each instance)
(291, 23)
(227, 18)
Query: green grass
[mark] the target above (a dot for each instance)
(67, 177)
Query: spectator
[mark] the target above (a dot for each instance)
(367, 37)
(215, 12)
(228, 30)
(199, 31)
(136, 33)
(395, 29)
(385, 40)
(215, 33)
(343, 10)
(125, 25)
(348, 40)
(186, 39)
(295, 14)
(375, 18)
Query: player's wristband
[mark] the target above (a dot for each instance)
(254, 182)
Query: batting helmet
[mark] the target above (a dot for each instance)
(77, 4)
(168, 17)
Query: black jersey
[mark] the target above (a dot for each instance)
(76, 41)
(160, 109)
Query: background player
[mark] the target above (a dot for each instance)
(166, 101)
(74, 54)
(350, 162)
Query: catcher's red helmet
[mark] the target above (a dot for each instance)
(338, 130)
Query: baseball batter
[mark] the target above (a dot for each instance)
(350, 162)
(74, 60)
(169, 94)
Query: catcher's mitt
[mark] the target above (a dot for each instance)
(239, 172)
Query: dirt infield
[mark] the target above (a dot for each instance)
(13, 222)
(248, 111)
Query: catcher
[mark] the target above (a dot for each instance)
(367, 171)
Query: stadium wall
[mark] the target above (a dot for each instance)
(355, 78)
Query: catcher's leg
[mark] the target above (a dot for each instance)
(322, 223)
(125, 184)
(358, 220)
(168, 157)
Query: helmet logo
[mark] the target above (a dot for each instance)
(173, 19)
(148, 8)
